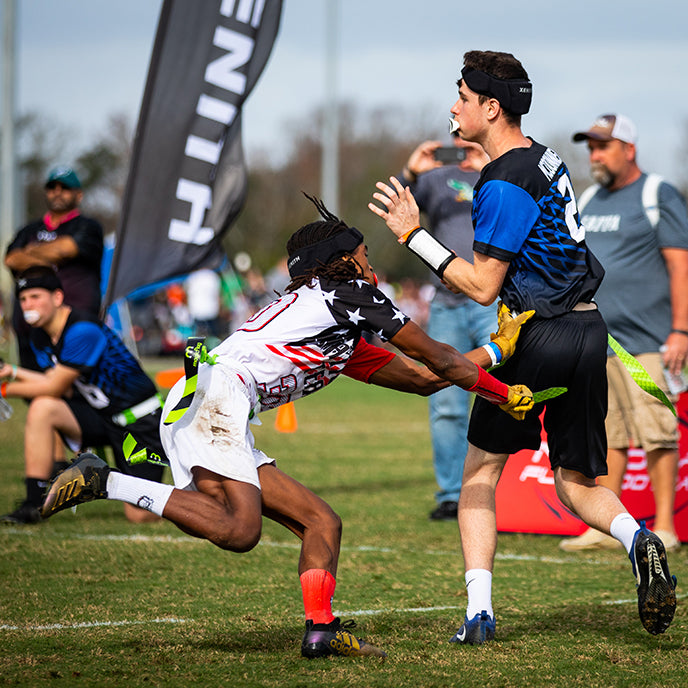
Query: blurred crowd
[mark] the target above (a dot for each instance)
(213, 304)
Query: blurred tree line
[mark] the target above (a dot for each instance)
(374, 144)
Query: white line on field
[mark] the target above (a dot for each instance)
(89, 624)
(292, 545)
(372, 612)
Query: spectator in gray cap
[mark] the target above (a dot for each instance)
(636, 225)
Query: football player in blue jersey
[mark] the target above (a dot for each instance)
(91, 391)
(529, 250)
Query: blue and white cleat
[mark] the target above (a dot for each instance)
(479, 630)
(655, 585)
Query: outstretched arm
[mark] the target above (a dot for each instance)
(451, 365)
(405, 375)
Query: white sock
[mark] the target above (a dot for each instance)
(623, 528)
(479, 587)
(145, 494)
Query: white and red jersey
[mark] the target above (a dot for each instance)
(304, 340)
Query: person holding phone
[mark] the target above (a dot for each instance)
(442, 181)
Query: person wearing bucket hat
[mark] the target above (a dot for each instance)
(637, 225)
(65, 238)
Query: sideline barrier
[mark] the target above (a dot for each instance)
(527, 501)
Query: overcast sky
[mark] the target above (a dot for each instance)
(81, 60)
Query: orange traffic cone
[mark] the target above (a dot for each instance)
(286, 418)
(168, 378)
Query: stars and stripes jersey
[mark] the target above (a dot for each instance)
(302, 341)
(110, 378)
(524, 212)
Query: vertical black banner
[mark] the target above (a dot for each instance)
(187, 178)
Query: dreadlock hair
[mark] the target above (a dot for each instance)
(339, 270)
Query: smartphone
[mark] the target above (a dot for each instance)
(450, 155)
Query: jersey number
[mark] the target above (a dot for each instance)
(93, 395)
(564, 187)
(269, 313)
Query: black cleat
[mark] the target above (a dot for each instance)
(24, 514)
(334, 638)
(656, 587)
(84, 481)
(446, 511)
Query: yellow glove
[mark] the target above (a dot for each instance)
(508, 330)
(520, 401)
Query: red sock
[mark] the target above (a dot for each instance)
(318, 586)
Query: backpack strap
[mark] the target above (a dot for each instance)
(650, 197)
(585, 197)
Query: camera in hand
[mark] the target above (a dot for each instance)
(450, 155)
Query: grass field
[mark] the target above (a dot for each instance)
(88, 599)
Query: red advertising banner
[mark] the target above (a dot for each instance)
(527, 501)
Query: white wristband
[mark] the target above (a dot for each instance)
(493, 355)
(432, 252)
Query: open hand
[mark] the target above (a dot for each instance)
(400, 210)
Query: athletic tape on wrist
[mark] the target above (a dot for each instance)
(495, 353)
(432, 252)
(490, 388)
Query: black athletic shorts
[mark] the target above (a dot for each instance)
(568, 351)
(97, 431)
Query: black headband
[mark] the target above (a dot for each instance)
(323, 251)
(513, 95)
(38, 279)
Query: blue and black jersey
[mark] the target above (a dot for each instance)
(524, 212)
(110, 378)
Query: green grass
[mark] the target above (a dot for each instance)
(562, 619)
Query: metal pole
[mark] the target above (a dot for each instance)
(8, 178)
(330, 131)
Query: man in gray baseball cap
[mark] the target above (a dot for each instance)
(636, 224)
(608, 127)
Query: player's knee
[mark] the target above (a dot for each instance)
(571, 487)
(42, 409)
(336, 524)
(239, 534)
(328, 522)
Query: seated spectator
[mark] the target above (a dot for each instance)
(90, 390)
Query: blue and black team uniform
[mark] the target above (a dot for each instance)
(115, 396)
(524, 212)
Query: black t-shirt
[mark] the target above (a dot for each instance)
(80, 276)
